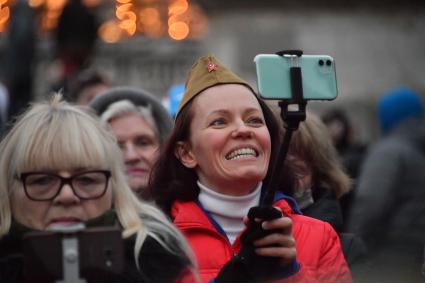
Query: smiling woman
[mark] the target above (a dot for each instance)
(60, 166)
(212, 171)
(230, 140)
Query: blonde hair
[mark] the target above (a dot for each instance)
(58, 135)
(312, 144)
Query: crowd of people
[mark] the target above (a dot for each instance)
(187, 195)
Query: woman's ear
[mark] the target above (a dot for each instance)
(185, 155)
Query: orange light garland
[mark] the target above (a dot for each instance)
(177, 19)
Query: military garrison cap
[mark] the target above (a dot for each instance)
(205, 73)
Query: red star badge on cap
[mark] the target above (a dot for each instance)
(211, 67)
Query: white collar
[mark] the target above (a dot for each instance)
(226, 205)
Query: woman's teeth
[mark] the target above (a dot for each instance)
(243, 152)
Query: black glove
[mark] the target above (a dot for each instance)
(249, 267)
(255, 231)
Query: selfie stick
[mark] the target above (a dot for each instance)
(291, 118)
(70, 259)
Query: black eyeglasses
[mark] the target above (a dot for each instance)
(86, 185)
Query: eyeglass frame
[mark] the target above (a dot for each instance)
(63, 182)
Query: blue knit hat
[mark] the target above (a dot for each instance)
(397, 105)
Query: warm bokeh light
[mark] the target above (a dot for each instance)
(151, 18)
(91, 3)
(4, 17)
(178, 7)
(178, 30)
(125, 13)
(121, 10)
(128, 16)
(55, 4)
(110, 32)
(129, 26)
(172, 19)
(35, 3)
(4, 14)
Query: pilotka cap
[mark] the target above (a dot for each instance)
(205, 73)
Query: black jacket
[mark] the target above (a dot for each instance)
(326, 207)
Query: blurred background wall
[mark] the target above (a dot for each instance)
(377, 45)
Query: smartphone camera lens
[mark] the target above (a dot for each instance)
(321, 63)
(328, 62)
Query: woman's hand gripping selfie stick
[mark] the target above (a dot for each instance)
(247, 266)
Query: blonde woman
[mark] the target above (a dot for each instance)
(60, 166)
(320, 177)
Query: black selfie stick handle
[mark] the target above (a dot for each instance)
(291, 120)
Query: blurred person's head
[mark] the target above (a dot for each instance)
(224, 136)
(396, 106)
(76, 36)
(59, 166)
(140, 123)
(339, 128)
(315, 160)
(87, 85)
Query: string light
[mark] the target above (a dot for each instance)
(177, 19)
(4, 14)
(110, 32)
(178, 28)
(157, 18)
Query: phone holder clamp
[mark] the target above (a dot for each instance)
(290, 116)
(70, 253)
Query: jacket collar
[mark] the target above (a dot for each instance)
(289, 204)
(190, 213)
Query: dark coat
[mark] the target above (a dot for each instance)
(326, 207)
(389, 208)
